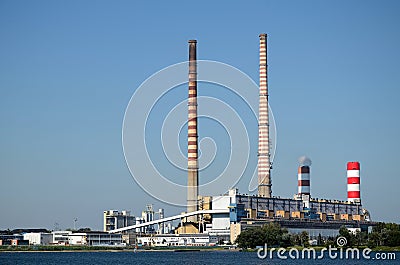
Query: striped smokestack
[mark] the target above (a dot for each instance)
(193, 177)
(264, 164)
(303, 180)
(353, 182)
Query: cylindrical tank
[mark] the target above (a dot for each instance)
(353, 182)
(303, 180)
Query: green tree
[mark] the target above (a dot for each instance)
(384, 234)
(271, 234)
(350, 237)
(302, 239)
(393, 239)
(319, 240)
(374, 239)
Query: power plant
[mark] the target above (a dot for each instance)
(225, 216)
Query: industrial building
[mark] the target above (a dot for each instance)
(114, 219)
(61, 237)
(225, 216)
(38, 238)
(13, 240)
(95, 239)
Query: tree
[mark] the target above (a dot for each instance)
(84, 230)
(302, 239)
(271, 234)
(344, 232)
(393, 239)
(384, 234)
(374, 239)
(319, 240)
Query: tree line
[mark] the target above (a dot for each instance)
(272, 234)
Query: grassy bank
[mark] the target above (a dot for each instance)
(56, 248)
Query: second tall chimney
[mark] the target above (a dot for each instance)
(193, 177)
(264, 164)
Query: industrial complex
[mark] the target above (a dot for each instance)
(223, 217)
(214, 219)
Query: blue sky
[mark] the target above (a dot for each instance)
(69, 68)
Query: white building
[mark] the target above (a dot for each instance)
(220, 225)
(95, 239)
(113, 219)
(77, 239)
(39, 238)
(61, 237)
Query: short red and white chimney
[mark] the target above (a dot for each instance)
(353, 182)
(303, 180)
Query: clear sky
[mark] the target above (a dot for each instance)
(69, 68)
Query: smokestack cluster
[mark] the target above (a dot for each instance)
(264, 163)
(193, 175)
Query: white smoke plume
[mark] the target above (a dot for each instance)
(304, 161)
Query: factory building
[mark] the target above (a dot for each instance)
(38, 238)
(113, 219)
(13, 240)
(61, 237)
(95, 239)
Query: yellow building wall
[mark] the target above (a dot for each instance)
(236, 229)
(187, 229)
(297, 215)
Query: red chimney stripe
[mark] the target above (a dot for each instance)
(303, 183)
(353, 194)
(353, 180)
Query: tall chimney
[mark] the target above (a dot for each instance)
(193, 175)
(264, 164)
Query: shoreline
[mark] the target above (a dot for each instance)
(45, 249)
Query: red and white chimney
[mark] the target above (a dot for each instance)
(303, 180)
(353, 182)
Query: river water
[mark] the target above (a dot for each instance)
(168, 257)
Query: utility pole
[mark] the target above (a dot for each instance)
(75, 220)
